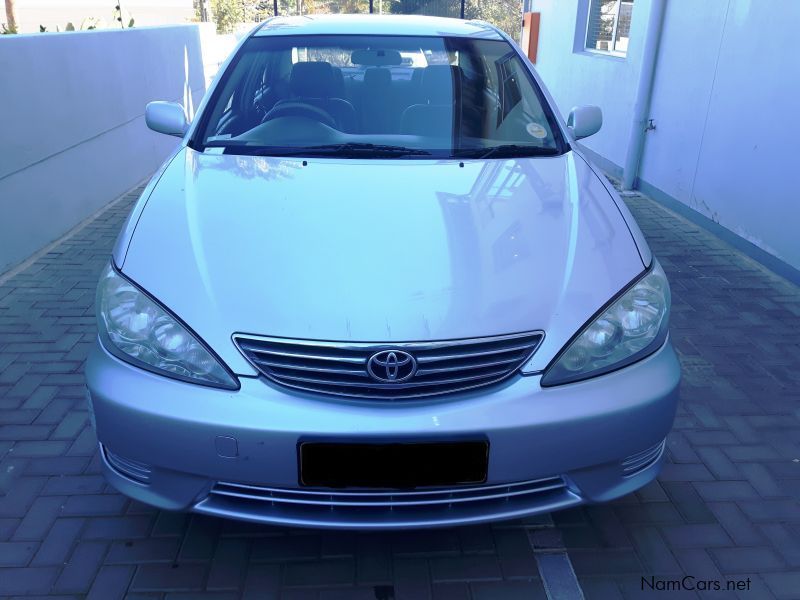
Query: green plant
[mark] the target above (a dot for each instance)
(11, 19)
(202, 11)
(87, 24)
(505, 14)
(118, 16)
(229, 13)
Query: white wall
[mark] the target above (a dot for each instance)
(73, 135)
(726, 142)
(726, 84)
(575, 76)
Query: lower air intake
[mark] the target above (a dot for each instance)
(132, 469)
(641, 460)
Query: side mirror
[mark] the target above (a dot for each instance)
(166, 117)
(585, 120)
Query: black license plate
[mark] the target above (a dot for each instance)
(399, 465)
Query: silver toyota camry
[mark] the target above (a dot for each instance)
(378, 285)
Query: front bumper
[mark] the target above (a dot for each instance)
(181, 446)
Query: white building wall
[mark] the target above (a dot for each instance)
(725, 142)
(73, 135)
(575, 76)
(681, 93)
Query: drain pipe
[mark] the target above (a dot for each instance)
(644, 92)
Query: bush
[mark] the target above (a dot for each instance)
(229, 13)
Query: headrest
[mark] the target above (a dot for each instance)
(313, 80)
(338, 76)
(377, 77)
(441, 84)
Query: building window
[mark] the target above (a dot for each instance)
(608, 26)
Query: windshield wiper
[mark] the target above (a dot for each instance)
(360, 149)
(348, 149)
(506, 151)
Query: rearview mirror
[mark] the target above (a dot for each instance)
(376, 58)
(585, 120)
(166, 117)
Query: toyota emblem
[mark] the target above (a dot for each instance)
(391, 366)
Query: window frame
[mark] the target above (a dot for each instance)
(613, 42)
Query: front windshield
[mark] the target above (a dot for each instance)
(378, 96)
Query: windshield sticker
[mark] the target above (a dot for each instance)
(536, 130)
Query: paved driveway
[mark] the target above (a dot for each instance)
(725, 508)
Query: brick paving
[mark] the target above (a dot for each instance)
(727, 505)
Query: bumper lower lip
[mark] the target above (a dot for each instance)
(585, 433)
(391, 511)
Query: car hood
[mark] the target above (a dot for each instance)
(379, 250)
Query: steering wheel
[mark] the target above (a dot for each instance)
(300, 109)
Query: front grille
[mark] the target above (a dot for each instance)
(389, 508)
(340, 368)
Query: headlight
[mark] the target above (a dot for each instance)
(138, 330)
(631, 327)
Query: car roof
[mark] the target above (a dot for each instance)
(366, 24)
